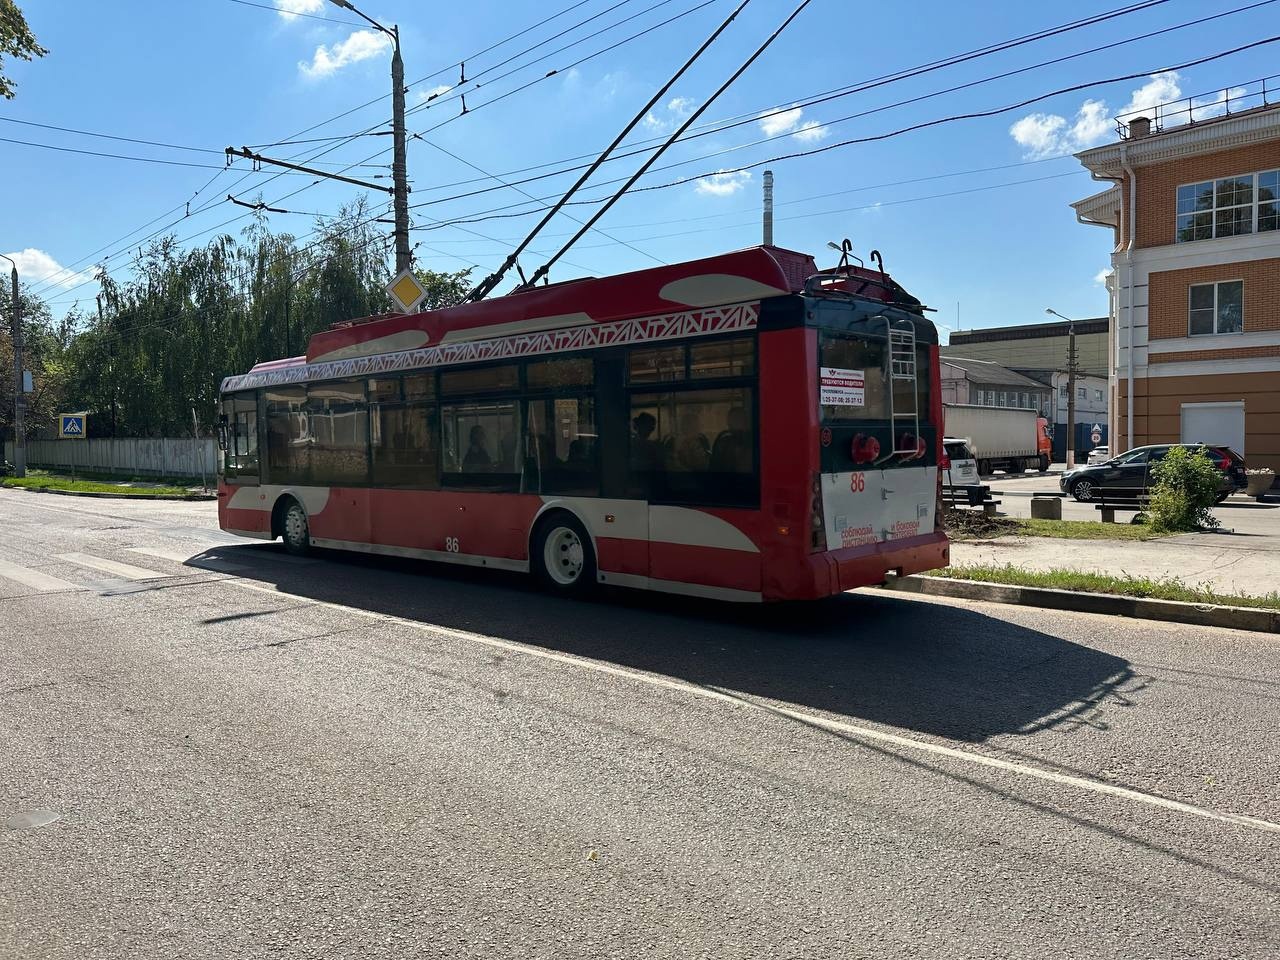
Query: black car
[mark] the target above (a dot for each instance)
(1129, 474)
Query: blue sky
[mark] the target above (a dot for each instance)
(973, 212)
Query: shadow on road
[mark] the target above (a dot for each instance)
(936, 669)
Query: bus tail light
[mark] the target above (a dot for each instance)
(817, 522)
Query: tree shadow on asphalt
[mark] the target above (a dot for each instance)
(937, 669)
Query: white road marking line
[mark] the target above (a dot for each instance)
(838, 726)
(189, 559)
(34, 578)
(125, 571)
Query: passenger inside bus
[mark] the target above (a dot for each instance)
(477, 455)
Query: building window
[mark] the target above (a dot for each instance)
(1082, 393)
(1229, 207)
(1216, 308)
(1097, 396)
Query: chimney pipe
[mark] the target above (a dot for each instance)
(768, 208)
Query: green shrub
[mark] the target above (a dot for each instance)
(1185, 490)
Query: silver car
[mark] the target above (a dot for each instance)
(963, 470)
(1099, 455)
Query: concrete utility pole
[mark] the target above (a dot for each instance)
(768, 208)
(1072, 367)
(19, 430)
(399, 162)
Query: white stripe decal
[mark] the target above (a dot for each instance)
(801, 716)
(463, 559)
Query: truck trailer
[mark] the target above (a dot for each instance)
(1012, 439)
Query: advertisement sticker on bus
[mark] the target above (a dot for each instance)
(842, 388)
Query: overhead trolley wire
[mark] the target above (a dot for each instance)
(689, 121)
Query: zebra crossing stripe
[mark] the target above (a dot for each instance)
(33, 578)
(126, 571)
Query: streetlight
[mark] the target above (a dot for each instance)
(1071, 385)
(19, 432)
(399, 163)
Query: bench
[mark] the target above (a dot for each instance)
(956, 496)
(1110, 504)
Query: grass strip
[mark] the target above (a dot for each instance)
(92, 486)
(971, 525)
(1164, 588)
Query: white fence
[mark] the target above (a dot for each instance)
(191, 457)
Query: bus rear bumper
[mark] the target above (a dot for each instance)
(836, 571)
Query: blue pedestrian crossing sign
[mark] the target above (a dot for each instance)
(72, 426)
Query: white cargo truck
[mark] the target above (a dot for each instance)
(1012, 439)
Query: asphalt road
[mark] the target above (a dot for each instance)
(211, 751)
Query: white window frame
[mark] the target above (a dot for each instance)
(1215, 332)
(1254, 205)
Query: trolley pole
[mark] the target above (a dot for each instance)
(19, 430)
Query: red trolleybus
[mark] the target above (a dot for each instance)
(742, 427)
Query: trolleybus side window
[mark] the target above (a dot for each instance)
(480, 438)
(338, 422)
(288, 438)
(560, 447)
(241, 411)
(403, 433)
(695, 444)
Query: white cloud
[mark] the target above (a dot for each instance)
(772, 124)
(1161, 88)
(671, 116)
(36, 266)
(724, 184)
(1048, 134)
(361, 45)
(434, 92)
(811, 131)
(287, 8)
(792, 121)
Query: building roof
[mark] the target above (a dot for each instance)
(985, 371)
(1029, 331)
(1101, 207)
(1178, 133)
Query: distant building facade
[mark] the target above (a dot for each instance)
(1039, 352)
(1037, 346)
(989, 384)
(1195, 283)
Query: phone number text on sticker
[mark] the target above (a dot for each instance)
(842, 388)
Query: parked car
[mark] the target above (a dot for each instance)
(1129, 474)
(960, 469)
(1099, 455)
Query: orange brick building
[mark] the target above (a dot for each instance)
(1195, 281)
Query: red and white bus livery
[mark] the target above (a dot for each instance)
(742, 427)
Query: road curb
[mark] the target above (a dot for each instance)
(1142, 608)
(117, 496)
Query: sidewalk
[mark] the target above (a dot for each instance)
(1247, 563)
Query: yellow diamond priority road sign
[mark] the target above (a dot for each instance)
(406, 291)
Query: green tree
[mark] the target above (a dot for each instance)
(443, 289)
(16, 40)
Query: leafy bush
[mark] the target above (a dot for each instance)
(1186, 487)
